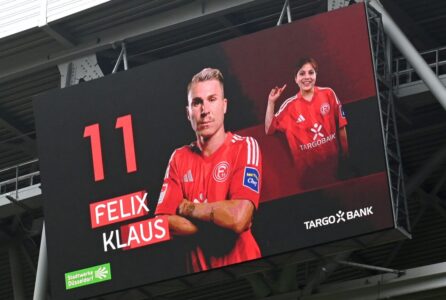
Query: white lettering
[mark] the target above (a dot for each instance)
(363, 212)
(111, 210)
(339, 217)
(318, 142)
(160, 228)
(137, 234)
(133, 204)
(312, 225)
(123, 214)
(133, 236)
(252, 181)
(349, 215)
(142, 203)
(119, 209)
(325, 221)
(108, 241)
(149, 237)
(359, 213)
(97, 213)
(118, 241)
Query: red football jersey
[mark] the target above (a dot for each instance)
(311, 128)
(233, 172)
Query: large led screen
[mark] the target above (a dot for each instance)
(163, 171)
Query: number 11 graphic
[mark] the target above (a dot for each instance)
(93, 132)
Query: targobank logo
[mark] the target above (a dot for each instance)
(339, 217)
(318, 137)
(317, 131)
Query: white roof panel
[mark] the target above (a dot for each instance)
(58, 9)
(20, 15)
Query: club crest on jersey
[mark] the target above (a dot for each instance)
(325, 108)
(163, 193)
(221, 171)
(251, 179)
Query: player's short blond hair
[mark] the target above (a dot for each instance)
(205, 75)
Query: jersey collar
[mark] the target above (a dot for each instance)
(226, 142)
(299, 95)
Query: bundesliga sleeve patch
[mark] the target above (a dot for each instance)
(342, 111)
(251, 179)
(163, 193)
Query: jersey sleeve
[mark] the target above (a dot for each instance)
(341, 119)
(279, 121)
(247, 177)
(274, 126)
(171, 192)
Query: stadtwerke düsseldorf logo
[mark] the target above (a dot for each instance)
(88, 276)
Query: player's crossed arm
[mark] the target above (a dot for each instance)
(179, 225)
(235, 215)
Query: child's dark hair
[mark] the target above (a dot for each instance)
(306, 60)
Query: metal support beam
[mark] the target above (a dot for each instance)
(38, 58)
(19, 203)
(336, 4)
(41, 286)
(388, 119)
(28, 258)
(10, 146)
(62, 37)
(423, 39)
(391, 256)
(439, 184)
(259, 285)
(427, 168)
(433, 200)
(425, 281)
(29, 145)
(322, 272)
(122, 56)
(85, 68)
(369, 267)
(286, 281)
(386, 286)
(412, 55)
(228, 24)
(276, 281)
(286, 8)
(16, 272)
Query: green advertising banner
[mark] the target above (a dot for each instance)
(87, 276)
